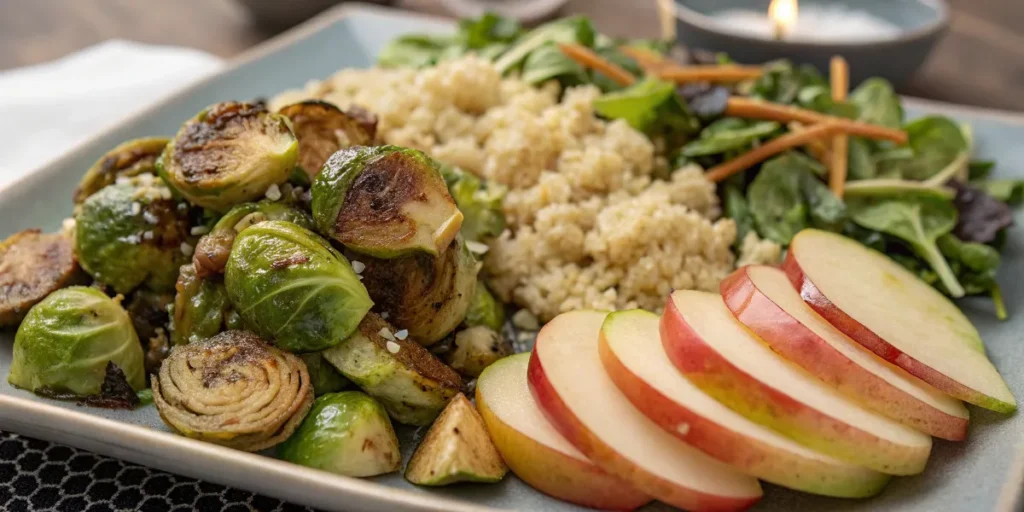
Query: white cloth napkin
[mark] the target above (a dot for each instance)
(47, 109)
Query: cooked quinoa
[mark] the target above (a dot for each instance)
(590, 225)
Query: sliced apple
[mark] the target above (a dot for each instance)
(571, 387)
(728, 362)
(888, 310)
(633, 356)
(535, 451)
(763, 299)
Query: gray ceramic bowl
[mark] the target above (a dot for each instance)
(922, 23)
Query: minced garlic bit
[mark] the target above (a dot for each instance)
(358, 267)
(187, 249)
(476, 247)
(273, 192)
(393, 347)
(525, 320)
(385, 315)
(386, 334)
(150, 217)
(136, 208)
(148, 235)
(403, 334)
(199, 230)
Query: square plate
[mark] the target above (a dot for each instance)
(974, 475)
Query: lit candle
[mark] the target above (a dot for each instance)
(811, 23)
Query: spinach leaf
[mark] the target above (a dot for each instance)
(860, 165)
(782, 82)
(735, 207)
(981, 216)
(479, 33)
(547, 63)
(827, 211)
(973, 255)
(936, 141)
(414, 51)
(1008, 191)
(819, 99)
(637, 104)
(979, 169)
(919, 222)
(716, 140)
(612, 54)
(878, 103)
(576, 29)
(785, 197)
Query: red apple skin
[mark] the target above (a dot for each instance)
(562, 418)
(871, 341)
(556, 474)
(763, 404)
(745, 454)
(799, 344)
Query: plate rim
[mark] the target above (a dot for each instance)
(59, 424)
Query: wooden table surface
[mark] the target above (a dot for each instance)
(980, 62)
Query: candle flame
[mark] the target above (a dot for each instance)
(783, 14)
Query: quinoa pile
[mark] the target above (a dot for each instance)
(595, 217)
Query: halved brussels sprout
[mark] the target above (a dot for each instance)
(230, 153)
(324, 375)
(485, 310)
(33, 264)
(201, 307)
(346, 433)
(131, 158)
(476, 348)
(212, 251)
(323, 129)
(385, 201)
(133, 234)
(66, 341)
(292, 287)
(428, 296)
(413, 385)
(457, 448)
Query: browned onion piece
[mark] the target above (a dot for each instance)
(234, 390)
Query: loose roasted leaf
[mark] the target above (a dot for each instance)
(878, 103)
(981, 216)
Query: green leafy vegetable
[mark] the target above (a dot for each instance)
(785, 197)
(736, 208)
(549, 63)
(897, 188)
(860, 165)
(980, 169)
(577, 29)
(936, 141)
(414, 51)
(782, 81)
(878, 103)
(1008, 191)
(637, 105)
(716, 141)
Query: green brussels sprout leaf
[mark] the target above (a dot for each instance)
(131, 158)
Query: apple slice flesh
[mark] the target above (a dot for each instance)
(535, 451)
(633, 356)
(888, 310)
(571, 387)
(763, 299)
(728, 362)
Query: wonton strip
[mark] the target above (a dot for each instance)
(587, 58)
(757, 109)
(710, 73)
(840, 77)
(648, 60)
(816, 148)
(770, 149)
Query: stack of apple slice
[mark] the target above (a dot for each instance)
(828, 377)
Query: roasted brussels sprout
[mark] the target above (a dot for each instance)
(234, 390)
(485, 310)
(479, 201)
(324, 375)
(33, 264)
(133, 234)
(457, 448)
(131, 158)
(347, 433)
(66, 341)
(385, 201)
(148, 311)
(212, 251)
(201, 307)
(428, 296)
(291, 286)
(412, 384)
(476, 348)
(323, 129)
(228, 154)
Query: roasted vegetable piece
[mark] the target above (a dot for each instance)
(228, 154)
(128, 159)
(385, 201)
(234, 390)
(133, 234)
(33, 264)
(479, 201)
(66, 341)
(347, 433)
(428, 296)
(290, 285)
(457, 448)
(412, 384)
(485, 310)
(212, 251)
(201, 307)
(323, 129)
(324, 375)
(476, 348)
(148, 311)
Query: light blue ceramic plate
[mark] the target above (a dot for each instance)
(971, 476)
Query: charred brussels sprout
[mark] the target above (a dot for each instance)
(485, 310)
(65, 343)
(476, 348)
(346, 433)
(229, 153)
(133, 234)
(324, 375)
(323, 129)
(428, 296)
(128, 159)
(33, 264)
(201, 307)
(292, 287)
(385, 201)
(212, 251)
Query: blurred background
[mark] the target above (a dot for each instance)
(979, 62)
